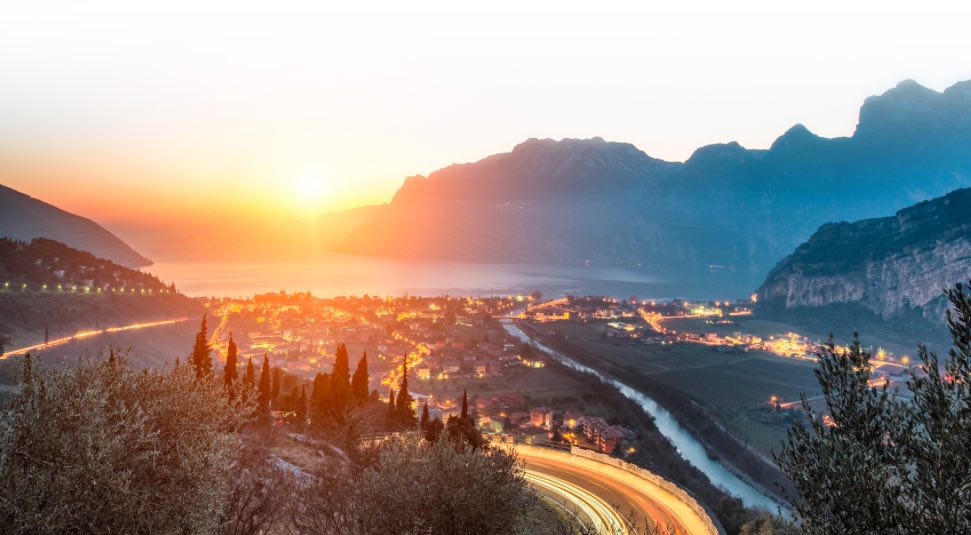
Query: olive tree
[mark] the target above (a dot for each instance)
(101, 447)
(880, 463)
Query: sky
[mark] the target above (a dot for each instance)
(142, 114)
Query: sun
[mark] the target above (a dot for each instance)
(310, 188)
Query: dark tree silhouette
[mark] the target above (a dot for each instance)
(250, 379)
(340, 378)
(201, 361)
(403, 405)
(392, 412)
(264, 388)
(275, 385)
(359, 383)
(229, 371)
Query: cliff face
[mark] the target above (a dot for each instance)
(895, 266)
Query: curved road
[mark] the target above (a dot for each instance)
(606, 495)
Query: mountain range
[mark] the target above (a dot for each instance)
(24, 218)
(726, 209)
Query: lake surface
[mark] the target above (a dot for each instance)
(341, 274)
(683, 441)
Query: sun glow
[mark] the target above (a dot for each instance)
(309, 189)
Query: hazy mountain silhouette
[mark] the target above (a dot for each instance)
(727, 208)
(23, 217)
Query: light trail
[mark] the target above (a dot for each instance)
(88, 334)
(590, 485)
(603, 518)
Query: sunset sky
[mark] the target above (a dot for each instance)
(137, 116)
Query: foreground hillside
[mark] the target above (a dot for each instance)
(23, 217)
(894, 268)
(727, 209)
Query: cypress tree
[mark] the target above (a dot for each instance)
(250, 379)
(229, 371)
(264, 389)
(318, 391)
(424, 417)
(275, 388)
(319, 407)
(340, 377)
(465, 403)
(391, 409)
(406, 415)
(359, 391)
(201, 361)
(301, 408)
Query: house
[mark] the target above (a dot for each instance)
(443, 413)
(541, 417)
(518, 417)
(535, 435)
(572, 420)
(603, 435)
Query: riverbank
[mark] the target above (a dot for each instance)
(698, 438)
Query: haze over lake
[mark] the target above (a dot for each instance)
(341, 274)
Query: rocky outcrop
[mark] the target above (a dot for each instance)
(895, 267)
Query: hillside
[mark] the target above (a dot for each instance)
(49, 290)
(893, 267)
(23, 217)
(727, 209)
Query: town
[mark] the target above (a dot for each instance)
(452, 345)
(449, 344)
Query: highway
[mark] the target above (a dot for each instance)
(607, 496)
(87, 334)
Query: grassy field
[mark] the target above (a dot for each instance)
(735, 387)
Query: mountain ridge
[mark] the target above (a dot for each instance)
(24, 218)
(740, 210)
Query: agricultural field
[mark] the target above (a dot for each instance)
(734, 387)
(895, 338)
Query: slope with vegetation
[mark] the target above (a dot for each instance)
(49, 290)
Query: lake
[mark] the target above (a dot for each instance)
(341, 274)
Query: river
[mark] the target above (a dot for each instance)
(687, 445)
